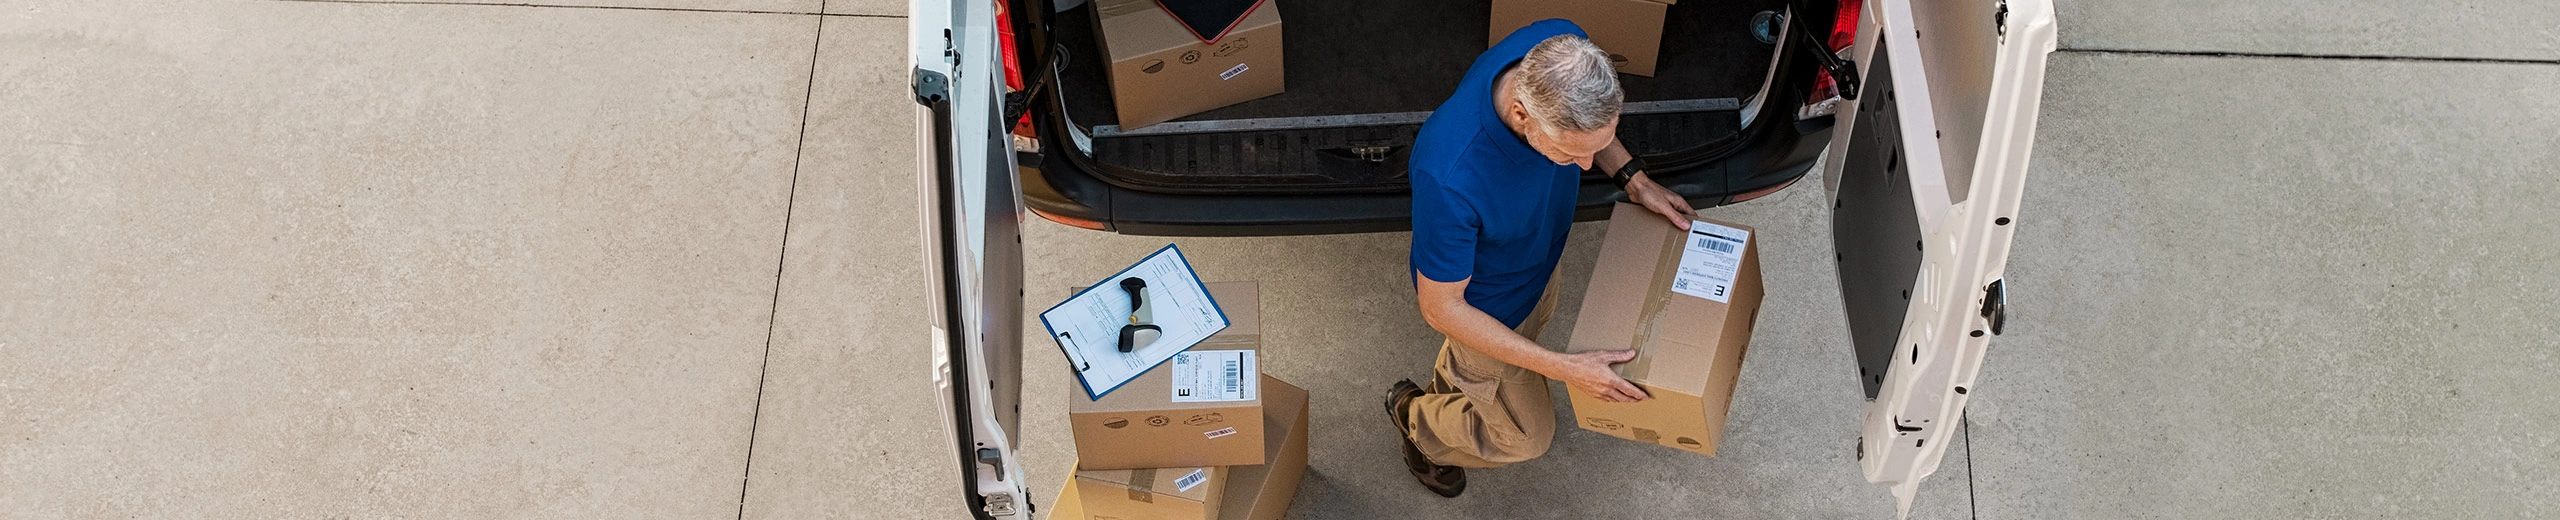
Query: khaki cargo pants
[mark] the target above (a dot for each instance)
(1479, 412)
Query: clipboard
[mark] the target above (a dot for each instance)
(1085, 325)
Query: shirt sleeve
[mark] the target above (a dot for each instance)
(1444, 234)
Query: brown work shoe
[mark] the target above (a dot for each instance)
(1448, 481)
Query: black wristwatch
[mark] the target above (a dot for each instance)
(1627, 173)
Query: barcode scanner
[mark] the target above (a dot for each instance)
(1141, 330)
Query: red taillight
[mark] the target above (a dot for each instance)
(1075, 222)
(1012, 63)
(1844, 32)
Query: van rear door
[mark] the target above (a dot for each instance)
(973, 248)
(1924, 173)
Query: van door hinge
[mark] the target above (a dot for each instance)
(931, 87)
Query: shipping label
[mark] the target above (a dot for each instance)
(1710, 259)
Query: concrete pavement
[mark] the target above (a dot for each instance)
(2443, 29)
(642, 258)
(2280, 288)
(308, 260)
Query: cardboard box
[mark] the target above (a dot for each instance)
(1070, 505)
(1263, 492)
(1145, 424)
(1631, 30)
(1152, 494)
(1160, 71)
(1689, 348)
(1260, 492)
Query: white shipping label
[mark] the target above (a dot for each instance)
(1709, 261)
(1221, 432)
(1214, 375)
(1233, 71)
(1191, 480)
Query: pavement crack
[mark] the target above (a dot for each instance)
(1972, 497)
(781, 258)
(822, 9)
(2312, 56)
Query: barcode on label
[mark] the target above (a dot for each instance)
(1221, 432)
(1191, 480)
(1233, 376)
(1715, 244)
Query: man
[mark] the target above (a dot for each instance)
(1495, 173)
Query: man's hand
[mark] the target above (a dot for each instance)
(1642, 190)
(1589, 371)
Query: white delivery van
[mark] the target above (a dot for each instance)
(1924, 163)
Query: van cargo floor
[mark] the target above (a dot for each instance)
(1365, 57)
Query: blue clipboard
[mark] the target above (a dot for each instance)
(1078, 351)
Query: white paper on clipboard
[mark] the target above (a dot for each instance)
(1087, 325)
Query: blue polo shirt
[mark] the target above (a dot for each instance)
(1487, 208)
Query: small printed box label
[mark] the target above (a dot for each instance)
(1214, 376)
(1191, 480)
(1710, 258)
(1232, 72)
(1221, 432)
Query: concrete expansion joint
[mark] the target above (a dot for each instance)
(2306, 56)
(820, 12)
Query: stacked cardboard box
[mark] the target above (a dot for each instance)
(1149, 451)
(1688, 318)
(1631, 30)
(1256, 492)
(1152, 422)
(1160, 70)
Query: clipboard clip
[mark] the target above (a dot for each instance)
(1074, 353)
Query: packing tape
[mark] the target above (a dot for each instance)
(1142, 485)
(1649, 321)
(1223, 341)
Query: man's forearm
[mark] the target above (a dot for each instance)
(1611, 158)
(1486, 335)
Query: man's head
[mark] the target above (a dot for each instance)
(1564, 100)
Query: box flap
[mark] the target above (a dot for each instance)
(1070, 505)
(1134, 28)
(1611, 313)
(1284, 405)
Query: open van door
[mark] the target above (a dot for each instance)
(973, 245)
(1924, 173)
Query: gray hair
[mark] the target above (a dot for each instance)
(1566, 83)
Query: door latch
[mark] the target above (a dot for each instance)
(1373, 154)
(2000, 21)
(1000, 504)
(1995, 306)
